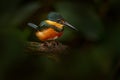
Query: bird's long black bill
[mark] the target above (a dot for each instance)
(69, 25)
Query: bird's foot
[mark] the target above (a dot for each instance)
(52, 43)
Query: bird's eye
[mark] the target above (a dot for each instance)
(58, 20)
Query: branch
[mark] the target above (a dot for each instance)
(49, 48)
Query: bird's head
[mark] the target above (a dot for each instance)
(56, 17)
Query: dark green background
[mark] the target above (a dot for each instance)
(95, 48)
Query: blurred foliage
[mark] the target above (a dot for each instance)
(94, 54)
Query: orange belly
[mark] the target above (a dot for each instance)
(48, 34)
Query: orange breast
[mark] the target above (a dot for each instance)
(48, 34)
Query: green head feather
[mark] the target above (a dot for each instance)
(53, 16)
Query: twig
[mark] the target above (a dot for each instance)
(49, 48)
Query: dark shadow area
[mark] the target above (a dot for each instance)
(94, 50)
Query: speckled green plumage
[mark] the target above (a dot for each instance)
(53, 16)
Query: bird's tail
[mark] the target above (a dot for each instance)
(33, 26)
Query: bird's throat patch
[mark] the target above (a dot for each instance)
(60, 26)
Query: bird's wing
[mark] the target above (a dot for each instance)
(43, 24)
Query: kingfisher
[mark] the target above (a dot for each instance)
(52, 28)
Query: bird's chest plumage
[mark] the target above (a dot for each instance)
(48, 34)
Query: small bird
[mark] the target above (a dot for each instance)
(52, 28)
